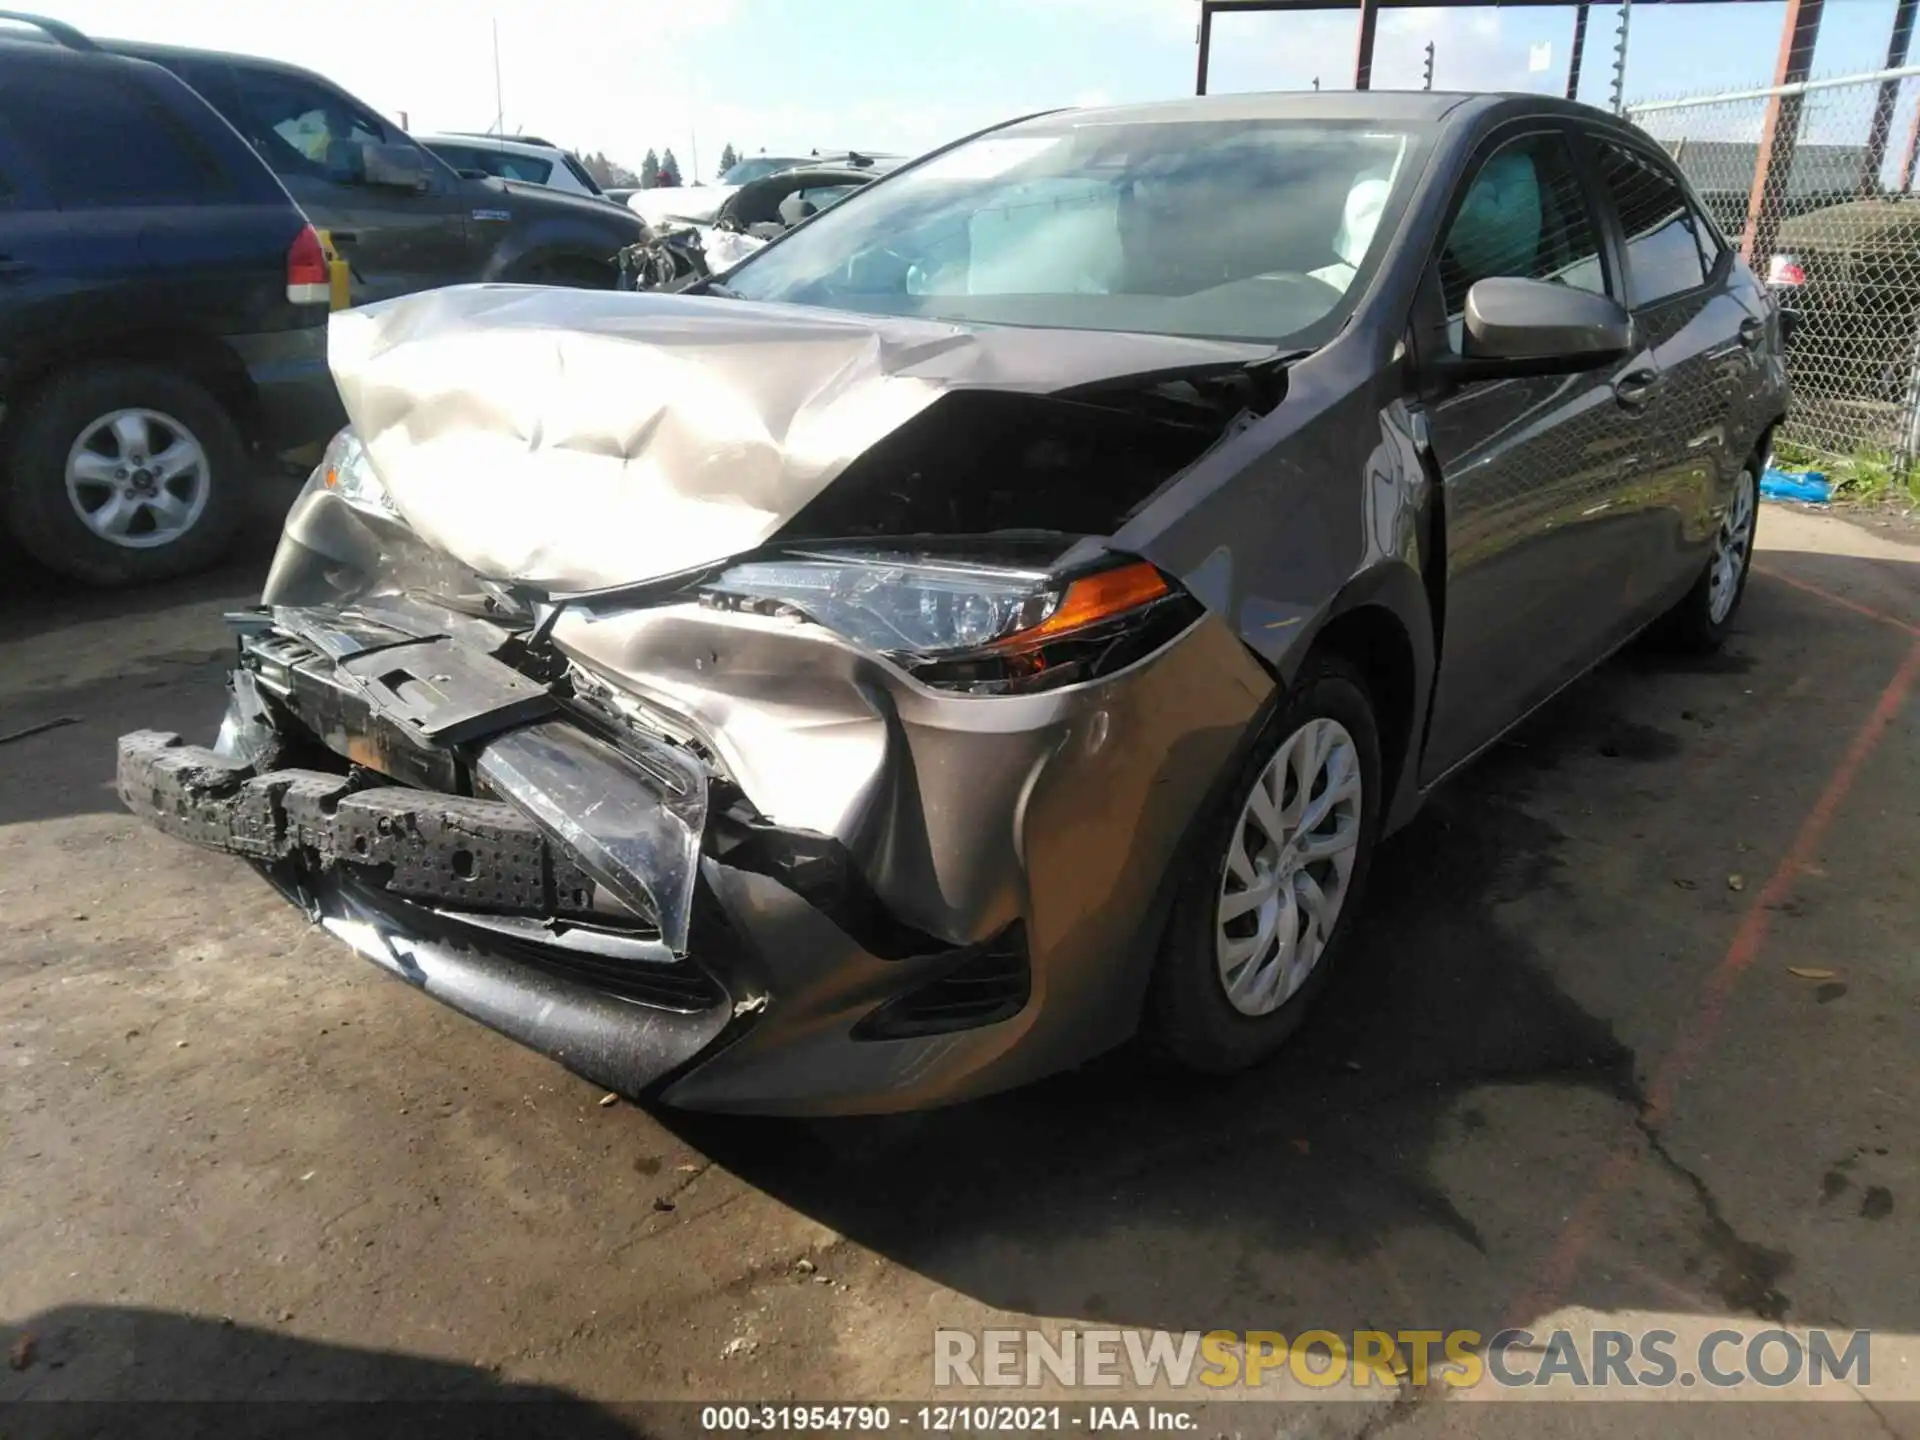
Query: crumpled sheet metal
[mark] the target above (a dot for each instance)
(577, 439)
(963, 813)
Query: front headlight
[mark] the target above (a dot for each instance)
(962, 625)
(345, 471)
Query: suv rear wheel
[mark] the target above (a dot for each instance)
(124, 473)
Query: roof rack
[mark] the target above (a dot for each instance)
(490, 135)
(58, 30)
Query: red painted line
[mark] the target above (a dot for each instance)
(1842, 601)
(1697, 1033)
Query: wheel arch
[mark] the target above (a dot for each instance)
(523, 255)
(1382, 625)
(201, 357)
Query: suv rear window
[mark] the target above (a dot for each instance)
(103, 139)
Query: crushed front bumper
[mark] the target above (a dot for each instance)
(623, 902)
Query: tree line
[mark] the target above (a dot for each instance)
(658, 169)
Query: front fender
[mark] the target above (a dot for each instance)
(567, 239)
(1319, 509)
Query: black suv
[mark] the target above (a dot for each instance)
(163, 309)
(402, 218)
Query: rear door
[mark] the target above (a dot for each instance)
(311, 134)
(146, 181)
(1531, 469)
(1705, 347)
(35, 288)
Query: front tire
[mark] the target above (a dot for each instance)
(1701, 622)
(124, 473)
(1264, 913)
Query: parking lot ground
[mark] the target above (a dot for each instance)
(1571, 1074)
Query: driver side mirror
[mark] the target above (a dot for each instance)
(1534, 327)
(394, 167)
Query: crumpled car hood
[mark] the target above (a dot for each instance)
(572, 439)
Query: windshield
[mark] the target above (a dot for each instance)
(758, 168)
(1235, 229)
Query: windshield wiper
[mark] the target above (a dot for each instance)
(725, 292)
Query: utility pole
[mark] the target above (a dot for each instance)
(499, 105)
(1427, 82)
(1620, 58)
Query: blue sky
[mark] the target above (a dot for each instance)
(623, 75)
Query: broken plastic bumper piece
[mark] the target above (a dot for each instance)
(471, 899)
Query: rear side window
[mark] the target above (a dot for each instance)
(103, 140)
(1524, 216)
(1664, 250)
(580, 173)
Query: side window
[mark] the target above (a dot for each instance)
(518, 167)
(1712, 247)
(102, 139)
(1524, 216)
(1664, 252)
(459, 157)
(302, 128)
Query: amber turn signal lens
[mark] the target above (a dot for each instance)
(1094, 598)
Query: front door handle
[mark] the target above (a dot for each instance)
(10, 266)
(1636, 387)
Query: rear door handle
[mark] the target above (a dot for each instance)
(10, 266)
(1636, 387)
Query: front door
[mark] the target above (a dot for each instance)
(1531, 469)
(394, 241)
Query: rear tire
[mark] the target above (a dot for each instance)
(119, 474)
(1701, 622)
(1213, 1006)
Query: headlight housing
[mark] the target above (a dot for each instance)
(963, 625)
(346, 471)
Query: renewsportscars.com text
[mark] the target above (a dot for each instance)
(1460, 1359)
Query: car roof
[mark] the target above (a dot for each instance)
(146, 49)
(1385, 106)
(507, 144)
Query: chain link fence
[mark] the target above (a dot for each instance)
(1831, 224)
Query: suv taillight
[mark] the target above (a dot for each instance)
(1786, 270)
(307, 278)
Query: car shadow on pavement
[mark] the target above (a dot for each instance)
(1412, 1158)
(86, 1370)
(89, 664)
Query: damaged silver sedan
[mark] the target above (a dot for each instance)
(1003, 614)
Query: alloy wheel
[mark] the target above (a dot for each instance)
(138, 478)
(1732, 549)
(1288, 866)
